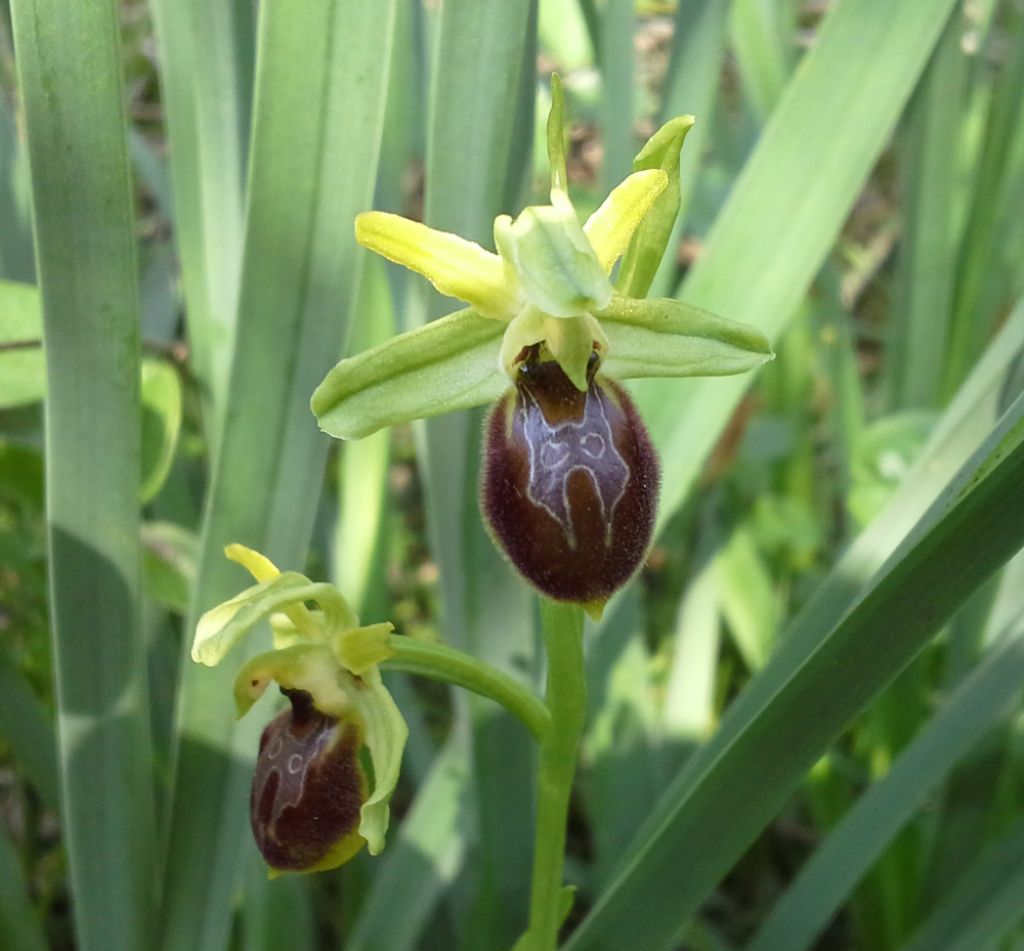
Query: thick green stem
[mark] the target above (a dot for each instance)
(455, 667)
(566, 699)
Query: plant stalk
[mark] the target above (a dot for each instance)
(453, 666)
(562, 625)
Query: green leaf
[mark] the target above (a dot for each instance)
(827, 878)
(16, 252)
(691, 86)
(19, 924)
(69, 64)
(421, 860)
(789, 204)
(918, 342)
(27, 728)
(670, 338)
(161, 423)
(449, 364)
(205, 51)
(169, 555)
(984, 904)
(317, 121)
(22, 365)
(789, 714)
(647, 248)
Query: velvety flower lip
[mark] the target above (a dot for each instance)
(570, 483)
(547, 283)
(312, 807)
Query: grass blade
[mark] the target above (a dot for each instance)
(690, 89)
(789, 203)
(617, 72)
(205, 80)
(422, 861)
(709, 816)
(19, 927)
(927, 257)
(984, 698)
(319, 107)
(69, 64)
(983, 907)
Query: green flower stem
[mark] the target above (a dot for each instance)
(455, 667)
(567, 700)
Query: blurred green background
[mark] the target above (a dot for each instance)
(804, 726)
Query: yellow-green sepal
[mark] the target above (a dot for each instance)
(669, 338)
(455, 266)
(556, 136)
(611, 227)
(308, 667)
(448, 364)
(361, 648)
(640, 264)
(384, 734)
(220, 628)
(569, 340)
(558, 271)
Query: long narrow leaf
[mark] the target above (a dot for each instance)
(713, 812)
(20, 929)
(319, 106)
(789, 203)
(206, 77)
(985, 904)
(69, 64)
(827, 878)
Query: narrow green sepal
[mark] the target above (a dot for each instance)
(559, 272)
(670, 338)
(385, 733)
(361, 648)
(556, 136)
(448, 364)
(650, 239)
(220, 628)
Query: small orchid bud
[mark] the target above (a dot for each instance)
(570, 482)
(308, 789)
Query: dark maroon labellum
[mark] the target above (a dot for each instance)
(570, 482)
(308, 787)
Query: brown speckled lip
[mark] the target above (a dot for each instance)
(308, 786)
(570, 483)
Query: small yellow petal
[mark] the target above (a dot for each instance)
(455, 266)
(611, 227)
(263, 569)
(363, 647)
(308, 667)
(571, 342)
(256, 563)
(528, 328)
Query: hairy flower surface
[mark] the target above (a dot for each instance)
(548, 283)
(312, 806)
(570, 482)
(570, 478)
